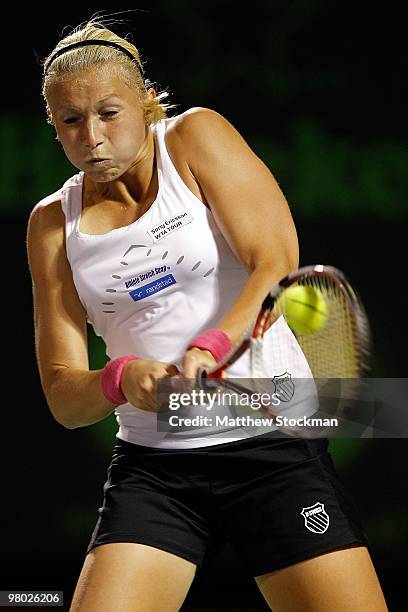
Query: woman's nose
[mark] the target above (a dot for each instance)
(93, 135)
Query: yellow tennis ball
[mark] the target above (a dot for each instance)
(305, 309)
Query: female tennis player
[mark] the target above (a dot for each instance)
(166, 242)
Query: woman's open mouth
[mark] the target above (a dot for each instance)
(98, 162)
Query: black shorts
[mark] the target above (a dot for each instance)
(277, 500)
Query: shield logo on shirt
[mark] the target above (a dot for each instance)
(316, 518)
(284, 386)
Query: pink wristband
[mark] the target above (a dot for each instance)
(110, 379)
(213, 340)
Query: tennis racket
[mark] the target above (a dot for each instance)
(340, 349)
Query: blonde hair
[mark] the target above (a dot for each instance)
(86, 57)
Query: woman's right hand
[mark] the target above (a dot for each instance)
(139, 382)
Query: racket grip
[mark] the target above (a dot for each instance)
(204, 374)
(205, 379)
(201, 375)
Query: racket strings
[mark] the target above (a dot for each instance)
(334, 350)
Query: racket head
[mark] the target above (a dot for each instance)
(336, 352)
(341, 348)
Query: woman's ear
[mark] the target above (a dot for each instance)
(50, 120)
(151, 93)
(49, 116)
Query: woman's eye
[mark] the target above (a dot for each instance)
(105, 115)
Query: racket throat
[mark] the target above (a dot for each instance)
(256, 358)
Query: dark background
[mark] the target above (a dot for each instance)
(318, 88)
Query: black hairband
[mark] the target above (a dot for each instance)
(94, 41)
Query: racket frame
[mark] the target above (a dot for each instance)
(256, 330)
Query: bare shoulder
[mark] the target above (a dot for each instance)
(203, 138)
(207, 140)
(47, 214)
(47, 209)
(195, 115)
(45, 231)
(199, 124)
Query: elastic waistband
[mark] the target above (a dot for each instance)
(251, 442)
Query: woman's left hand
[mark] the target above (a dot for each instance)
(194, 359)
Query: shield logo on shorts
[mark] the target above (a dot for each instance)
(316, 518)
(284, 386)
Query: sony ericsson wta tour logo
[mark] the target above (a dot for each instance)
(316, 518)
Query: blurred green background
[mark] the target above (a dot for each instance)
(318, 89)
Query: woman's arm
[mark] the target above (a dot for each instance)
(73, 392)
(248, 207)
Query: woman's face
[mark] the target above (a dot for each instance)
(99, 121)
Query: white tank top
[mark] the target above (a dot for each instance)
(150, 287)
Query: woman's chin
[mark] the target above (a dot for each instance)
(102, 174)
